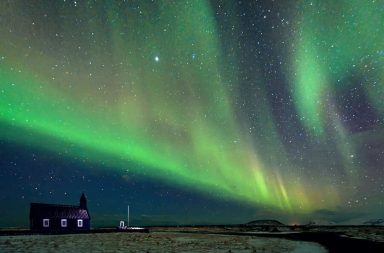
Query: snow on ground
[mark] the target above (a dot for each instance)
(285, 245)
(153, 242)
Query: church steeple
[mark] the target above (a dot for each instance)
(83, 202)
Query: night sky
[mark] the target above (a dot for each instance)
(193, 112)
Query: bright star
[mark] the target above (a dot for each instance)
(157, 58)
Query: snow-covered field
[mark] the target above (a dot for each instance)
(153, 242)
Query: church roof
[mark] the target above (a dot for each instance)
(52, 211)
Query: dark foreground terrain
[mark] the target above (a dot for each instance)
(203, 239)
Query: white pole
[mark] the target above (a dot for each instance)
(128, 217)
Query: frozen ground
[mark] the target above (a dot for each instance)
(153, 242)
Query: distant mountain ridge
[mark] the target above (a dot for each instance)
(374, 222)
(321, 223)
(265, 223)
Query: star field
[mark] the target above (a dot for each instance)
(192, 110)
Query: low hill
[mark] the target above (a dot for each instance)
(264, 223)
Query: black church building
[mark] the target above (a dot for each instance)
(60, 218)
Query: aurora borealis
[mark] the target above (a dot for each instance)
(235, 105)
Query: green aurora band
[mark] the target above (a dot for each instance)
(327, 55)
(173, 119)
(327, 59)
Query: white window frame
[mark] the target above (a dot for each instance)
(46, 223)
(64, 223)
(80, 223)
